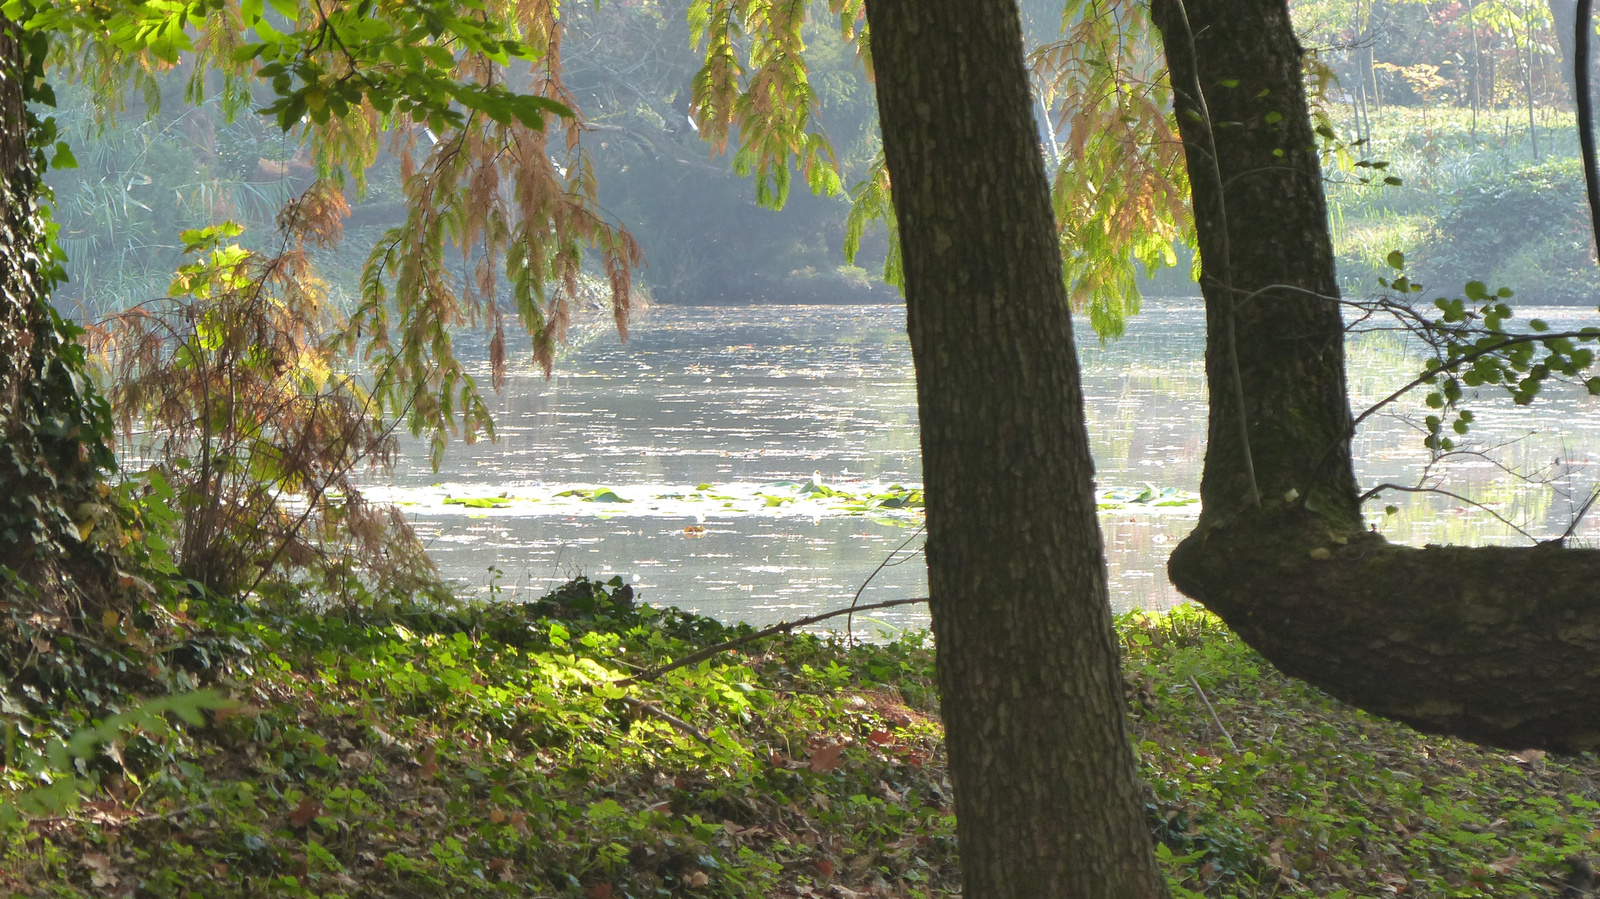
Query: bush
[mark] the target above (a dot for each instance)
(1529, 229)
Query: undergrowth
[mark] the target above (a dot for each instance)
(492, 751)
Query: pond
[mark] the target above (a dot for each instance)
(761, 463)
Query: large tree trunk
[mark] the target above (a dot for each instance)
(22, 529)
(52, 428)
(1048, 802)
(1498, 645)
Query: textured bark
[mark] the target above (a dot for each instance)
(1262, 221)
(51, 434)
(1047, 797)
(18, 181)
(1493, 644)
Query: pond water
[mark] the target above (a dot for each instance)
(762, 463)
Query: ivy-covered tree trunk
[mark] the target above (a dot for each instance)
(1494, 644)
(1047, 797)
(52, 428)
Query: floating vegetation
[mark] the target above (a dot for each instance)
(498, 502)
(1148, 497)
(892, 503)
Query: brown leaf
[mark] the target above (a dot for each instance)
(880, 738)
(826, 758)
(305, 812)
(1504, 865)
(825, 868)
(496, 816)
(698, 879)
(598, 891)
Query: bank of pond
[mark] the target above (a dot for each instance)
(547, 750)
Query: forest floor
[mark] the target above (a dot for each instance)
(493, 752)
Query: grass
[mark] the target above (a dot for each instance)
(487, 752)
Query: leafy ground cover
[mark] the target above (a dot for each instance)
(531, 751)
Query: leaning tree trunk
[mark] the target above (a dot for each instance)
(1494, 644)
(1048, 801)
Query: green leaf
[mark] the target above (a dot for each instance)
(1397, 260)
(63, 158)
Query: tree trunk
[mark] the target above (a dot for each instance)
(21, 300)
(1563, 16)
(1498, 645)
(1048, 801)
(52, 428)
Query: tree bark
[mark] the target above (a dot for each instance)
(52, 427)
(1493, 644)
(22, 528)
(1563, 15)
(1048, 802)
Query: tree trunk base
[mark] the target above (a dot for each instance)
(1497, 645)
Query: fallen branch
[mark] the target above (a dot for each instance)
(701, 655)
(1207, 701)
(681, 725)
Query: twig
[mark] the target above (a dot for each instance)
(1455, 496)
(681, 725)
(1203, 112)
(1213, 712)
(1573, 527)
(133, 819)
(703, 654)
(850, 619)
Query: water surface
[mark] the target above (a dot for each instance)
(712, 432)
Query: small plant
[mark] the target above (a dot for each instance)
(252, 428)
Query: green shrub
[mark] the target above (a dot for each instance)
(1527, 229)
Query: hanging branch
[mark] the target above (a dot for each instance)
(1584, 101)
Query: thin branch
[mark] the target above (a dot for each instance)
(1207, 701)
(1455, 496)
(1576, 519)
(850, 620)
(701, 655)
(1463, 359)
(1203, 110)
(678, 723)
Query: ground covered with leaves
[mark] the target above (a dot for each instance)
(530, 751)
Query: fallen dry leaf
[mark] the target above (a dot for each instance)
(304, 813)
(826, 758)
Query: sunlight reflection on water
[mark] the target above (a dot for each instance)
(718, 395)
